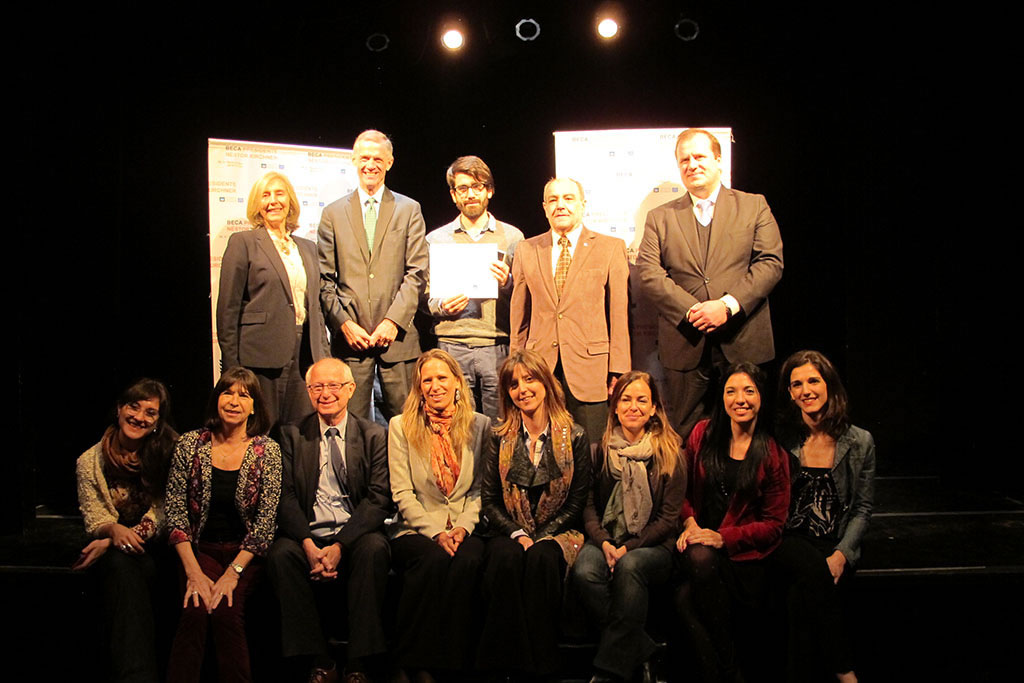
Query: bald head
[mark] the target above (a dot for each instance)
(330, 386)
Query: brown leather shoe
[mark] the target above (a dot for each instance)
(319, 675)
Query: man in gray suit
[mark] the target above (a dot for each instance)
(708, 261)
(373, 260)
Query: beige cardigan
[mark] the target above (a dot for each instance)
(422, 508)
(97, 505)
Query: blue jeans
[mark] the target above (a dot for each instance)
(619, 600)
(480, 366)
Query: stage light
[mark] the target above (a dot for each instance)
(686, 29)
(377, 42)
(607, 28)
(452, 39)
(527, 29)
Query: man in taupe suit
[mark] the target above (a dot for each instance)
(570, 302)
(373, 259)
(708, 261)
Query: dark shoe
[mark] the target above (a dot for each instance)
(320, 675)
(356, 677)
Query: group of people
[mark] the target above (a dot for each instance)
(522, 451)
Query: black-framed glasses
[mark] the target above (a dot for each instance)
(463, 190)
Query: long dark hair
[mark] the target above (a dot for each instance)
(554, 398)
(714, 448)
(155, 451)
(259, 421)
(835, 419)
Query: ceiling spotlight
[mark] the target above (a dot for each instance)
(686, 29)
(452, 39)
(607, 28)
(377, 42)
(527, 29)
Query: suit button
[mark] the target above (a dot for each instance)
(559, 316)
(554, 343)
(371, 276)
(706, 280)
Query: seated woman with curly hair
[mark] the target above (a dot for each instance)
(121, 494)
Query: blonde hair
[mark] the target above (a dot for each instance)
(665, 442)
(554, 398)
(252, 210)
(414, 417)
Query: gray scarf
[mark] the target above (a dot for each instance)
(630, 503)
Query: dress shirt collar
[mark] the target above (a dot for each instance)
(363, 196)
(341, 426)
(461, 227)
(713, 197)
(573, 235)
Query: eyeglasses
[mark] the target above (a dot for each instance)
(319, 387)
(463, 190)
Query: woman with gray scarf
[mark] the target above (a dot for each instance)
(631, 521)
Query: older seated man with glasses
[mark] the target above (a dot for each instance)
(335, 496)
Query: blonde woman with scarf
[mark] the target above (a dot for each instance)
(535, 487)
(435, 452)
(631, 520)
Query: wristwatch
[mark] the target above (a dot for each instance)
(237, 567)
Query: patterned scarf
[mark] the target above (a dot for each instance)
(443, 462)
(517, 500)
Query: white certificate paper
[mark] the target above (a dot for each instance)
(463, 269)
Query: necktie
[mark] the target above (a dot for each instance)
(562, 267)
(704, 208)
(338, 464)
(370, 223)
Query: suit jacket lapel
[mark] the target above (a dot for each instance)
(584, 247)
(266, 245)
(688, 226)
(544, 265)
(355, 222)
(387, 209)
(307, 463)
(353, 452)
(725, 214)
(312, 266)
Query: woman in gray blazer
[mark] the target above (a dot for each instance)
(268, 305)
(436, 448)
(830, 508)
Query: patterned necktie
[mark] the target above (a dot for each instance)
(704, 208)
(338, 463)
(370, 223)
(562, 267)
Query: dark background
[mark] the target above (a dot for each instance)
(841, 119)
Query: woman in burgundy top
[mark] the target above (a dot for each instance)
(735, 509)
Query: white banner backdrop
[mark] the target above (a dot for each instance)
(625, 174)
(319, 174)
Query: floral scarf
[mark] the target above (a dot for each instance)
(517, 500)
(445, 465)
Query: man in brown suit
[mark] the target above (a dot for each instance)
(708, 261)
(570, 301)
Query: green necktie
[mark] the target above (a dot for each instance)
(370, 223)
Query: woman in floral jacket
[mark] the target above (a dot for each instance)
(222, 495)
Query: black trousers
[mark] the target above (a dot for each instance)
(306, 605)
(816, 626)
(128, 582)
(522, 597)
(713, 586)
(437, 608)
